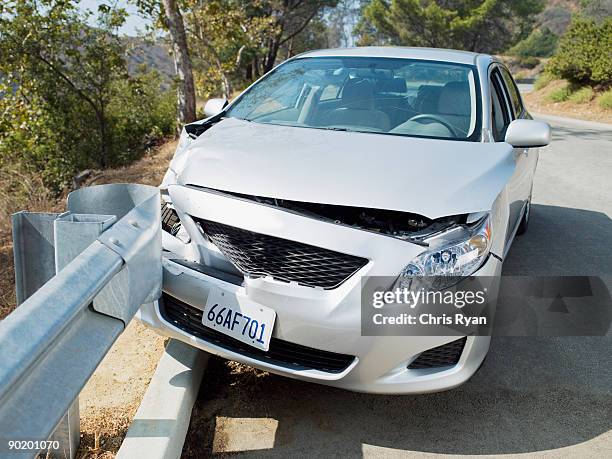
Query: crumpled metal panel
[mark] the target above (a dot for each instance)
(136, 237)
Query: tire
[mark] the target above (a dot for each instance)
(524, 224)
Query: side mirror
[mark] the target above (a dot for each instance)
(214, 106)
(528, 133)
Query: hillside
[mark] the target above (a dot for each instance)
(557, 15)
(153, 54)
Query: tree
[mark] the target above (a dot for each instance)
(539, 43)
(67, 102)
(167, 15)
(583, 56)
(182, 62)
(46, 43)
(340, 21)
(222, 50)
(474, 25)
(291, 18)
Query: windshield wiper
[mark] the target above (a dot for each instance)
(331, 128)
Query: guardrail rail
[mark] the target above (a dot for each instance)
(80, 278)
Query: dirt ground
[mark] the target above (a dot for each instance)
(537, 102)
(111, 397)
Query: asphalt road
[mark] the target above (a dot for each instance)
(550, 396)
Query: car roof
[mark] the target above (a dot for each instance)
(432, 54)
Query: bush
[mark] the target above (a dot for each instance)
(540, 43)
(582, 95)
(529, 62)
(543, 80)
(583, 56)
(559, 94)
(141, 115)
(56, 137)
(605, 100)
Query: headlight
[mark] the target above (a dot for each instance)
(451, 256)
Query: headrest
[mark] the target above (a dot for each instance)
(358, 93)
(455, 99)
(395, 84)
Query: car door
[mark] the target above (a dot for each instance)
(518, 110)
(501, 117)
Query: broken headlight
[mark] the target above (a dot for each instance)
(452, 255)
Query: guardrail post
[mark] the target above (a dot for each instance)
(34, 252)
(73, 233)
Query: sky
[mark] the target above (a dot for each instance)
(133, 23)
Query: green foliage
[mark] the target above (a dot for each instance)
(140, 115)
(67, 101)
(529, 62)
(605, 100)
(539, 43)
(543, 80)
(476, 25)
(560, 94)
(218, 50)
(582, 95)
(584, 56)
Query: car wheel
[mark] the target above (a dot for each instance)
(522, 228)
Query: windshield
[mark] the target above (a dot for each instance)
(367, 94)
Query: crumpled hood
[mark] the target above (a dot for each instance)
(433, 178)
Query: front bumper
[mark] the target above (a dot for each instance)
(328, 321)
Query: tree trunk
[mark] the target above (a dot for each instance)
(271, 56)
(256, 72)
(103, 162)
(182, 63)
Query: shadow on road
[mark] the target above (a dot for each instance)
(573, 133)
(562, 241)
(531, 394)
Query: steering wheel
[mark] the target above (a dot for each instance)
(437, 119)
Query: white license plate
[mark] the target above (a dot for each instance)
(239, 318)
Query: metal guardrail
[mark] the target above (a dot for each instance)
(80, 278)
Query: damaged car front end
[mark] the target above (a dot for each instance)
(270, 225)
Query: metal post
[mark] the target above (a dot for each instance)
(73, 233)
(34, 251)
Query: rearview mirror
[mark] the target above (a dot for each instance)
(528, 133)
(214, 106)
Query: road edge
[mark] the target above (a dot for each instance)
(573, 121)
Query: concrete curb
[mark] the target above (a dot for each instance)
(161, 422)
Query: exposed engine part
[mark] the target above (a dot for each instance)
(403, 225)
(196, 129)
(169, 219)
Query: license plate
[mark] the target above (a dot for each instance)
(239, 318)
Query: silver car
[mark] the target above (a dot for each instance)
(340, 164)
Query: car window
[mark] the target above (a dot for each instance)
(515, 97)
(499, 113)
(406, 97)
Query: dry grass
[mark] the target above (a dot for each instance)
(586, 108)
(111, 397)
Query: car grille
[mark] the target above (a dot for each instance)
(442, 356)
(169, 218)
(281, 353)
(260, 255)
